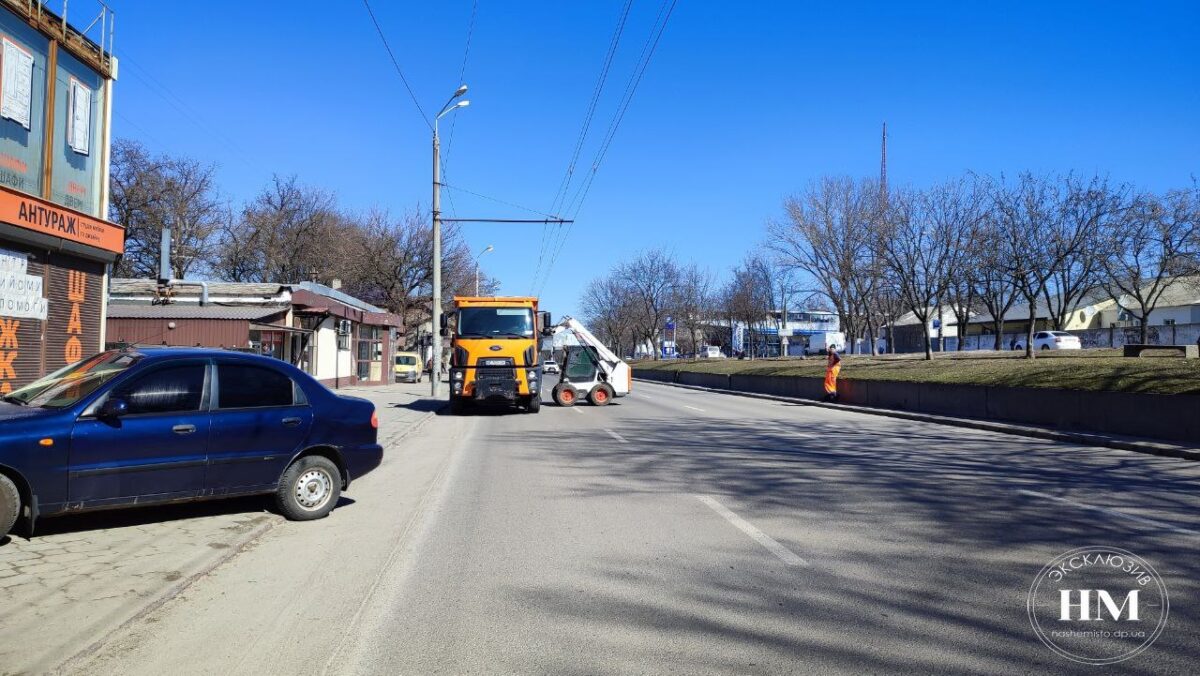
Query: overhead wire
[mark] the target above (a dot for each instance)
(396, 64)
(462, 72)
(499, 201)
(565, 184)
(576, 204)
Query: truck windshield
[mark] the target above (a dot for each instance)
(495, 322)
(68, 385)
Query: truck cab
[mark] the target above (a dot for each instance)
(494, 353)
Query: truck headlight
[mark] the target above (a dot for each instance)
(458, 375)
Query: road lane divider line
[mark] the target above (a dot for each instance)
(786, 555)
(1106, 510)
(576, 410)
(616, 436)
(693, 408)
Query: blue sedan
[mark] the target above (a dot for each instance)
(137, 427)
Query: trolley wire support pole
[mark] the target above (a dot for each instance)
(435, 370)
(558, 221)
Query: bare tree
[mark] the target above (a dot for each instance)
(1153, 247)
(151, 193)
(653, 277)
(921, 246)
(694, 304)
(608, 307)
(1079, 244)
(283, 235)
(1035, 240)
(828, 236)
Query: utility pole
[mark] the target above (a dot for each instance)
(435, 371)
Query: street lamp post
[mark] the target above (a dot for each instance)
(489, 248)
(435, 375)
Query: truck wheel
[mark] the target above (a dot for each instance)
(309, 488)
(564, 395)
(600, 395)
(535, 403)
(458, 405)
(10, 505)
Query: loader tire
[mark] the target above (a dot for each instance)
(601, 395)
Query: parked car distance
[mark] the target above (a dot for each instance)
(1052, 340)
(136, 427)
(550, 367)
(407, 367)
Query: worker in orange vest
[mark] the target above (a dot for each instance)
(833, 366)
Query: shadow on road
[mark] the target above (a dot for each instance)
(422, 405)
(923, 548)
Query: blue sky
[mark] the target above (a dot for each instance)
(742, 104)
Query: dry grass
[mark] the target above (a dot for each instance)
(1082, 370)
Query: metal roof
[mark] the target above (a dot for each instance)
(189, 311)
(338, 295)
(121, 286)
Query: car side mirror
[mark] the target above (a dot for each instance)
(113, 407)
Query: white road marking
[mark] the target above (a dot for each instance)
(616, 436)
(694, 408)
(1131, 517)
(577, 410)
(786, 555)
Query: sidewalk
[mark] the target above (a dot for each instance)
(81, 576)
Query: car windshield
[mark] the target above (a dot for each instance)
(1063, 334)
(406, 361)
(495, 322)
(68, 385)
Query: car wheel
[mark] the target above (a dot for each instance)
(309, 488)
(563, 395)
(600, 395)
(1045, 347)
(10, 505)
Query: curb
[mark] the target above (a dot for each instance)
(78, 655)
(1147, 447)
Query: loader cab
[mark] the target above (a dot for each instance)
(582, 378)
(579, 365)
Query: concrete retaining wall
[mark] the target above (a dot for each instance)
(1157, 416)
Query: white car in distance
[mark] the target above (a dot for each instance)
(1052, 340)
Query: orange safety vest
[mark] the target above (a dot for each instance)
(832, 369)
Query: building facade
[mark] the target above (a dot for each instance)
(55, 245)
(337, 338)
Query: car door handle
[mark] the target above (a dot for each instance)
(291, 422)
(183, 429)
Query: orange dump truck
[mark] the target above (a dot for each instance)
(494, 352)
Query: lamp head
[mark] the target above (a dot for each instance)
(461, 90)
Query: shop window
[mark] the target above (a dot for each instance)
(267, 343)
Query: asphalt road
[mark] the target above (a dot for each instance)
(679, 531)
